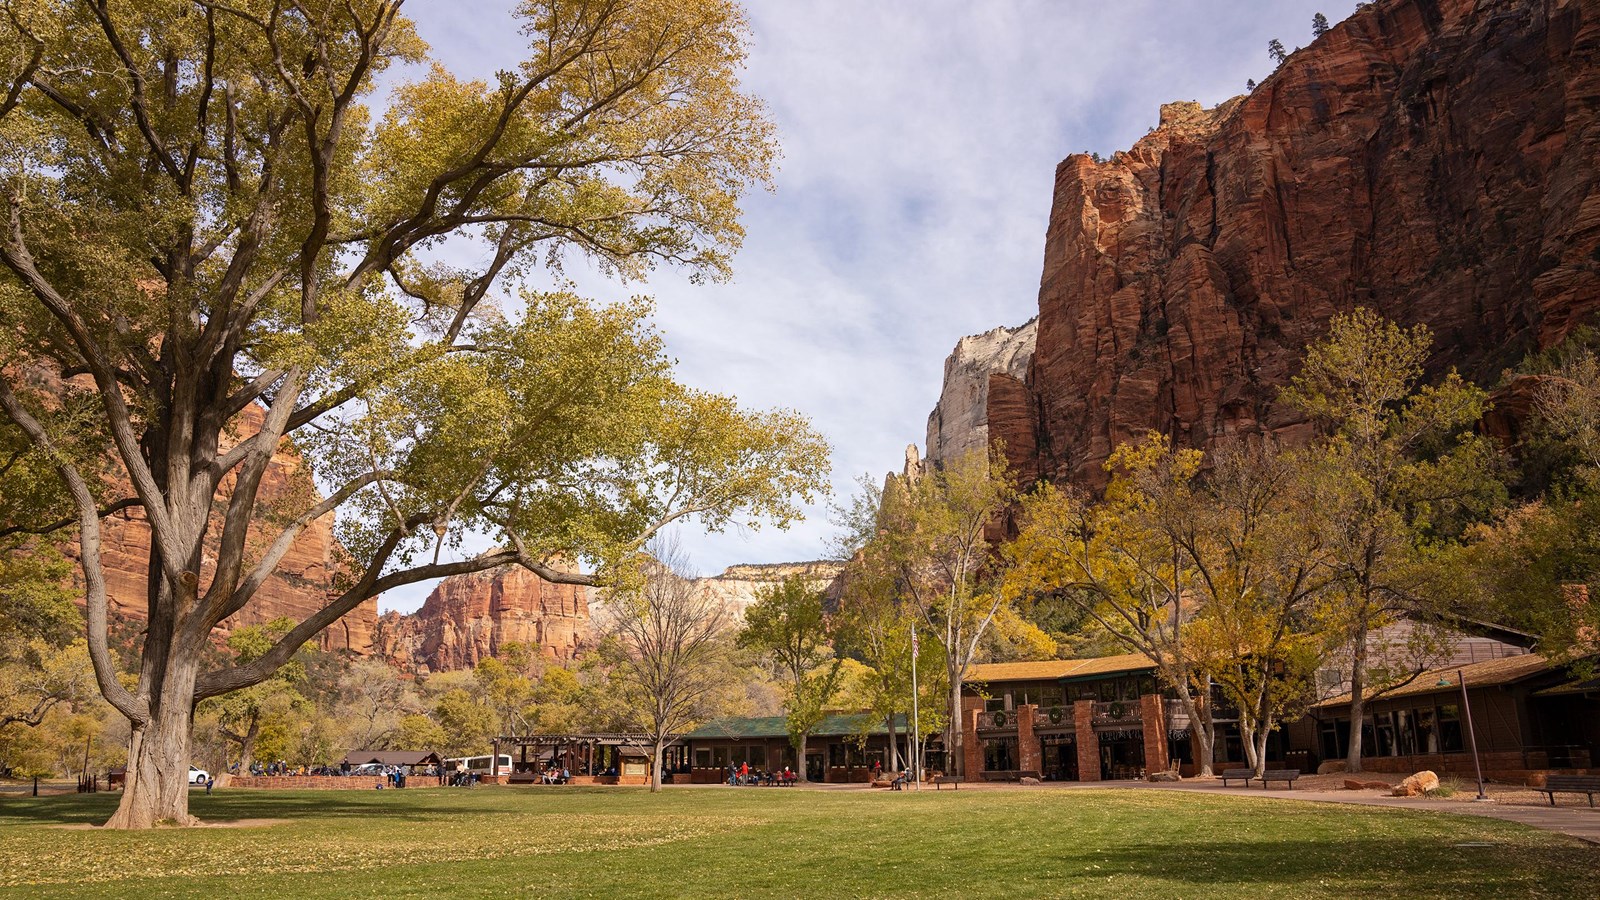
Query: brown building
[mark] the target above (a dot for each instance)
(1529, 715)
(843, 748)
(1071, 720)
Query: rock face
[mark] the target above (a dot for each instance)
(737, 586)
(468, 618)
(1437, 161)
(296, 589)
(960, 422)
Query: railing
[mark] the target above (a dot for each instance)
(1117, 712)
(1053, 717)
(1177, 716)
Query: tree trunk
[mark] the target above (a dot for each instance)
(1200, 725)
(800, 766)
(1259, 748)
(955, 761)
(655, 766)
(157, 787)
(1358, 698)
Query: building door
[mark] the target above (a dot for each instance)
(814, 768)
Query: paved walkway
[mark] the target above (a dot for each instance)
(1578, 821)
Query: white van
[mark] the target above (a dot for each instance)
(477, 764)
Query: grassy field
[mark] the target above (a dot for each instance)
(726, 842)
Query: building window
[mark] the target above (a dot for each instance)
(996, 703)
(1405, 734)
(1427, 731)
(758, 756)
(1000, 754)
(838, 755)
(702, 757)
(1052, 697)
(1450, 728)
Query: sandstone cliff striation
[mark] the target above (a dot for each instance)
(960, 422)
(1435, 160)
(469, 618)
(739, 586)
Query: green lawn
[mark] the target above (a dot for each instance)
(742, 842)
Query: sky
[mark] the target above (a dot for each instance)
(920, 140)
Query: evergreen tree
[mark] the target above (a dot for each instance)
(1319, 25)
(1276, 51)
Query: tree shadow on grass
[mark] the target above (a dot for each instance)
(231, 805)
(1437, 865)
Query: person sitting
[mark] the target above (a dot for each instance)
(899, 782)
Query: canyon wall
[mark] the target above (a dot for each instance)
(1437, 161)
(738, 586)
(468, 618)
(959, 422)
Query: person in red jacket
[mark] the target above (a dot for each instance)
(744, 773)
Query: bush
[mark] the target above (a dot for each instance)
(1448, 787)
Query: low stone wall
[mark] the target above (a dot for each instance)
(323, 782)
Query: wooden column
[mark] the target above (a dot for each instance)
(1088, 742)
(494, 760)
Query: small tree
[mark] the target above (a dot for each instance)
(934, 542)
(788, 626)
(1250, 85)
(240, 714)
(1121, 563)
(1398, 468)
(669, 645)
(1319, 25)
(1276, 51)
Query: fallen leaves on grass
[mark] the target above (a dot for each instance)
(53, 857)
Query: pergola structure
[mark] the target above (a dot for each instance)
(598, 755)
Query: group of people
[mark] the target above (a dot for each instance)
(556, 776)
(743, 774)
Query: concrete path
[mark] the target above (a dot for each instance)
(1578, 821)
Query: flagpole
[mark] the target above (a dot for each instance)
(916, 732)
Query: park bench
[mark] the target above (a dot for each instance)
(1571, 784)
(1288, 775)
(1237, 775)
(953, 780)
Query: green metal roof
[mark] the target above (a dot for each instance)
(836, 724)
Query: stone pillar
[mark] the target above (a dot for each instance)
(1027, 741)
(1088, 742)
(1152, 713)
(971, 750)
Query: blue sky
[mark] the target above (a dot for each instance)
(920, 143)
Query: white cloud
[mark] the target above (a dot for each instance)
(920, 143)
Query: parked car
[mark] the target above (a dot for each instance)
(368, 769)
(198, 776)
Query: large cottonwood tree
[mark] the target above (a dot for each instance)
(203, 217)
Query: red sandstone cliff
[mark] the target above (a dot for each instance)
(1435, 160)
(470, 617)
